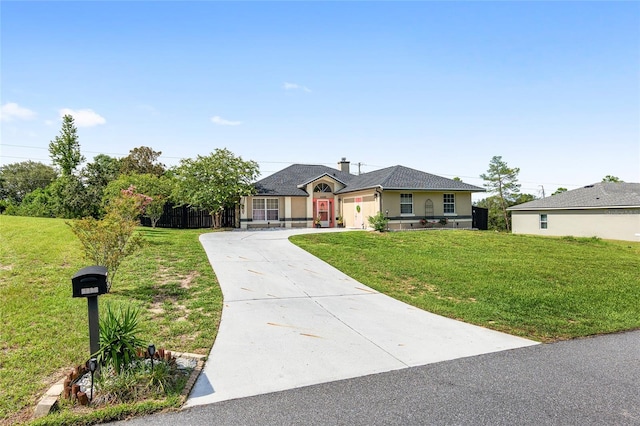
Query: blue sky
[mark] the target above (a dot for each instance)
(552, 87)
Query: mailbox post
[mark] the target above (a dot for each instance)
(90, 282)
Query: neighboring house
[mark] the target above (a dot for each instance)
(300, 195)
(609, 210)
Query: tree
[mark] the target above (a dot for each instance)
(142, 160)
(96, 176)
(157, 188)
(214, 182)
(609, 178)
(68, 197)
(65, 149)
(522, 198)
(502, 180)
(108, 241)
(560, 191)
(19, 179)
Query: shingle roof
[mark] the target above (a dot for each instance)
(286, 182)
(400, 177)
(598, 195)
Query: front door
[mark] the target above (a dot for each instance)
(323, 211)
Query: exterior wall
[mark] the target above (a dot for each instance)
(462, 218)
(612, 224)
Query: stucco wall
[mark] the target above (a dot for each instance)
(614, 224)
(391, 202)
(299, 207)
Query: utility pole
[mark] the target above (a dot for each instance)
(542, 186)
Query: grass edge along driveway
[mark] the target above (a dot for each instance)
(541, 288)
(44, 330)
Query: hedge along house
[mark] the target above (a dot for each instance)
(609, 210)
(315, 195)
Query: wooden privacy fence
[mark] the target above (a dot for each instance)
(186, 217)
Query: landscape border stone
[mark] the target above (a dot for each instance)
(50, 398)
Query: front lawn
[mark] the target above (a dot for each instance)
(542, 288)
(44, 330)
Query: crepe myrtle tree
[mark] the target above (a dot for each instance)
(214, 182)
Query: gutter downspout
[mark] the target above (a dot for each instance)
(379, 190)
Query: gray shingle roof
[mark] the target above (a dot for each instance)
(285, 182)
(598, 195)
(400, 177)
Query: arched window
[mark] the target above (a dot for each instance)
(322, 187)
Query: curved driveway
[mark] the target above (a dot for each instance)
(291, 320)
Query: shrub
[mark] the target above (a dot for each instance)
(378, 222)
(118, 340)
(108, 241)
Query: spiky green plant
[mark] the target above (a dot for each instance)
(118, 340)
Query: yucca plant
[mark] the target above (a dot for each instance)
(118, 340)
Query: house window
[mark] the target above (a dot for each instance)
(406, 203)
(322, 187)
(543, 221)
(265, 209)
(449, 201)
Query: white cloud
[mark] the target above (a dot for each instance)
(83, 117)
(295, 86)
(12, 111)
(222, 122)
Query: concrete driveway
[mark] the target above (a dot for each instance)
(291, 320)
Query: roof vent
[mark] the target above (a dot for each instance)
(589, 186)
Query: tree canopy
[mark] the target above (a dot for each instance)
(502, 180)
(19, 179)
(214, 182)
(142, 160)
(610, 178)
(65, 148)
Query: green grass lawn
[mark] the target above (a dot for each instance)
(541, 288)
(44, 331)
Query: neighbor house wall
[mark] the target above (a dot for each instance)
(614, 224)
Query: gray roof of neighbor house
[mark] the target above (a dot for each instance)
(400, 177)
(598, 195)
(287, 182)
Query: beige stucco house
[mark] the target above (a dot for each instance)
(609, 210)
(302, 195)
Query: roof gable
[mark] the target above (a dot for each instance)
(289, 182)
(598, 195)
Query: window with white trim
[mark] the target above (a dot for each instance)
(322, 187)
(543, 221)
(265, 209)
(406, 203)
(449, 202)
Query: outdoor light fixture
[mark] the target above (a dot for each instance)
(93, 366)
(152, 350)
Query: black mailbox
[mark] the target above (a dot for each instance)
(90, 281)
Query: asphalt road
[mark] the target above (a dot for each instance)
(592, 381)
